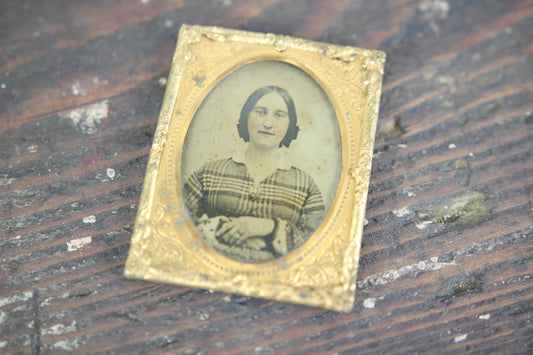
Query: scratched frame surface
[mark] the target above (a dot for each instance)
(322, 272)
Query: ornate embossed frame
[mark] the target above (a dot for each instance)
(321, 272)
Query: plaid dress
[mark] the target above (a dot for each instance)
(225, 188)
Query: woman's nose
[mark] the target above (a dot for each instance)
(267, 122)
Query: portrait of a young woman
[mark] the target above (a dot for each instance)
(255, 204)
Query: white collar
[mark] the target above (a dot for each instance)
(283, 161)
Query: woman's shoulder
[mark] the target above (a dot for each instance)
(298, 174)
(217, 165)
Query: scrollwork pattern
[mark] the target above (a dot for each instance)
(325, 275)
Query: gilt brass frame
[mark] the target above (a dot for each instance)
(322, 272)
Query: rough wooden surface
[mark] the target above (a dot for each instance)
(447, 259)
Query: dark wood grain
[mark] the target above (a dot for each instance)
(447, 257)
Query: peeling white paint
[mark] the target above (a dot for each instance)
(110, 173)
(406, 271)
(402, 146)
(452, 146)
(59, 329)
(4, 180)
(423, 225)
(3, 344)
(168, 23)
(401, 212)
(460, 338)
(67, 344)
(162, 81)
(78, 90)
(15, 298)
(97, 81)
(79, 243)
(3, 317)
(484, 316)
(88, 118)
(33, 148)
(433, 12)
(89, 219)
(369, 303)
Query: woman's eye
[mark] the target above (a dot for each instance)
(260, 111)
(280, 115)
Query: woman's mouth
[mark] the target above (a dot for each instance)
(267, 133)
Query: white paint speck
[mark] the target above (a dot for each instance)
(366, 82)
(89, 219)
(452, 146)
(2, 86)
(15, 298)
(484, 316)
(423, 225)
(366, 222)
(508, 30)
(59, 329)
(411, 194)
(78, 90)
(409, 270)
(4, 180)
(421, 265)
(402, 146)
(110, 173)
(3, 344)
(433, 12)
(162, 81)
(79, 243)
(98, 81)
(3, 317)
(168, 23)
(32, 148)
(434, 259)
(401, 212)
(369, 303)
(460, 338)
(88, 118)
(67, 344)
(204, 316)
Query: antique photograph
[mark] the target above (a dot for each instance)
(261, 161)
(258, 174)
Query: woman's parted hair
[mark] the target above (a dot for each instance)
(292, 130)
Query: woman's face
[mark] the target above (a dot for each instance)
(268, 121)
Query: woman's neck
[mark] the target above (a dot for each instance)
(261, 162)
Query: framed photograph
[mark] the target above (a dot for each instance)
(258, 174)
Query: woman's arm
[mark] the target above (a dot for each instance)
(288, 235)
(194, 196)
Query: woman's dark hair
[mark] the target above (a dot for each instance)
(292, 130)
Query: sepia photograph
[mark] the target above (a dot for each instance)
(258, 175)
(261, 161)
